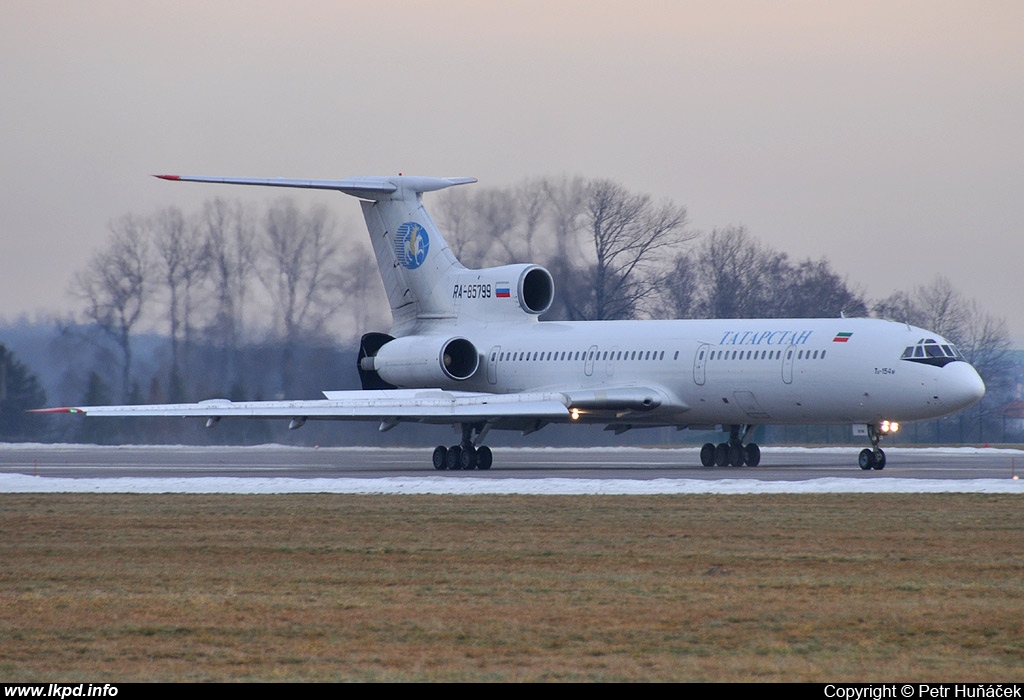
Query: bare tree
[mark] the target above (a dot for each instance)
(300, 274)
(230, 232)
(183, 260)
(494, 226)
(937, 306)
(740, 275)
(566, 201)
(628, 234)
(533, 203)
(733, 275)
(115, 288)
(814, 290)
(454, 208)
(361, 288)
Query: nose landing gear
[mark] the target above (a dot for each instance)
(874, 458)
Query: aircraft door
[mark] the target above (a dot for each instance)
(492, 364)
(588, 361)
(699, 363)
(787, 364)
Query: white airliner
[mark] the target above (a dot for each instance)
(467, 349)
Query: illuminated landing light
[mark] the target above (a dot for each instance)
(575, 413)
(889, 426)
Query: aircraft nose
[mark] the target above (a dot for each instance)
(961, 385)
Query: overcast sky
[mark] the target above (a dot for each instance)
(886, 136)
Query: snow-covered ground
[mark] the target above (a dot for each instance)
(466, 484)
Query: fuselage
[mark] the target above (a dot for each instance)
(729, 371)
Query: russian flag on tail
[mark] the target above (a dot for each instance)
(503, 290)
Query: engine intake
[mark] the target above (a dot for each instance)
(536, 290)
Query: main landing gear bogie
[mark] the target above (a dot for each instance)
(733, 453)
(726, 455)
(458, 457)
(465, 455)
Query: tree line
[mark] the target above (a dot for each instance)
(234, 300)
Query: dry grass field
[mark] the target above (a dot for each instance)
(511, 588)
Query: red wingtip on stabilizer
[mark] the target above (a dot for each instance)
(168, 177)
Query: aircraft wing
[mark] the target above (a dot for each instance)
(425, 405)
(411, 405)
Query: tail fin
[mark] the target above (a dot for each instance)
(413, 257)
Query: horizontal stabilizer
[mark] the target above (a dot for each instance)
(363, 187)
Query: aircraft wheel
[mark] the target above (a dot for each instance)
(467, 460)
(454, 456)
(707, 455)
(736, 455)
(440, 458)
(879, 464)
(484, 458)
(866, 459)
(753, 454)
(722, 455)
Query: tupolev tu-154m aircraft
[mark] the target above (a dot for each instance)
(467, 349)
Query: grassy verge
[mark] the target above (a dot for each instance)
(479, 588)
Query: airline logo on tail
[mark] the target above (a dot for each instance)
(411, 245)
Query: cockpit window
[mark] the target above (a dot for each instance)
(928, 351)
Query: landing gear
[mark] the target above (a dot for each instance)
(440, 457)
(484, 458)
(732, 453)
(465, 455)
(874, 458)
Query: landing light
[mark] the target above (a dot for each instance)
(889, 427)
(575, 413)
